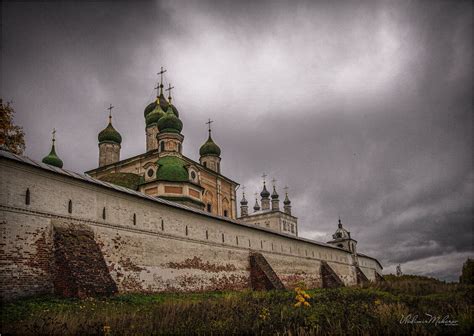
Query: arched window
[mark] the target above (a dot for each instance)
(226, 213)
(207, 235)
(186, 230)
(204, 164)
(162, 225)
(237, 240)
(103, 213)
(261, 244)
(162, 146)
(209, 207)
(69, 207)
(222, 237)
(27, 197)
(134, 219)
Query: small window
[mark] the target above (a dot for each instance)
(250, 245)
(272, 246)
(237, 240)
(261, 244)
(186, 230)
(222, 237)
(340, 245)
(134, 219)
(209, 207)
(205, 164)
(207, 235)
(27, 197)
(69, 206)
(103, 213)
(226, 213)
(150, 172)
(179, 148)
(162, 225)
(162, 146)
(193, 175)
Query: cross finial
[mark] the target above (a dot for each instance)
(54, 134)
(110, 112)
(209, 122)
(157, 88)
(286, 189)
(263, 177)
(162, 71)
(274, 181)
(169, 93)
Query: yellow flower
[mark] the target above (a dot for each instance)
(297, 304)
(306, 304)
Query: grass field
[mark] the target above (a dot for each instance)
(375, 309)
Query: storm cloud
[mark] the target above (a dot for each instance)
(363, 108)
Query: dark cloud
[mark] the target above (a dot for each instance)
(363, 108)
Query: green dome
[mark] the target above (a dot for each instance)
(109, 134)
(53, 159)
(171, 168)
(209, 148)
(155, 115)
(162, 102)
(170, 123)
(175, 110)
(150, 107)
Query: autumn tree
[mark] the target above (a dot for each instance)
(12, 137)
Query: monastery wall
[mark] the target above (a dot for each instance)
(147, 245)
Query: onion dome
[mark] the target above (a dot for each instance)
(265, 193)
(274, 193)
(154, 115)
(244, 200)
(175, 110)
(170, 122)
(172, 169)
(110, 134)
(341, 233)
(256, 207)
(287, 200)
(209, 147)
(150, 107)
(52, 158)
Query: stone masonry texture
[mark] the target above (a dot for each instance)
(146, 246)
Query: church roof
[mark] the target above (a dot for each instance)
(87, 179)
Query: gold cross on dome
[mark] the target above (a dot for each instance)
(54, 134)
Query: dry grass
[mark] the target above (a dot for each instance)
(376, 309)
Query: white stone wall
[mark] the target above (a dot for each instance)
(167, 248)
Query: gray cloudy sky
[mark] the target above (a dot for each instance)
(363, 108)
